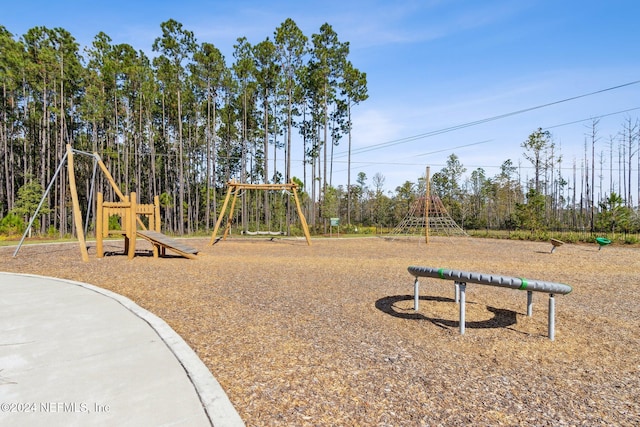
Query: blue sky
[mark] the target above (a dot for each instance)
(431, 65)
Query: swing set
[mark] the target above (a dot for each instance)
(236, 189)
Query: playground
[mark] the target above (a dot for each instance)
(326, 334)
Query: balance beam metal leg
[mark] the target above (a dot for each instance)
(462, 287)
(552, 317)
(456, 285)
(529, 303)
(416, 296)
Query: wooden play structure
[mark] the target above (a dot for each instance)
(236, 188)
(130, 214)
(127, 212)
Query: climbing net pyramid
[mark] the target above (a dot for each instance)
(440, 222)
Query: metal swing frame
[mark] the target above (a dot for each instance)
(77, 214)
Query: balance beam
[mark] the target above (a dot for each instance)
(461, 278)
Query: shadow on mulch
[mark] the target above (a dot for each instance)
(502, 318)
(140, 253)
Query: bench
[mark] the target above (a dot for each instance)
(461, 278)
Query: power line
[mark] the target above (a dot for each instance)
(459, 146)
(519, 166)
(369, 163)
(592, 118)
(478, 122)
(372, 163)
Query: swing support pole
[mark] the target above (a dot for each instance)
(221, 216)
(301, 215)
(77, 214)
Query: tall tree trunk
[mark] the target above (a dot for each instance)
(214, 157)
(631, 130)
(152, 150)
(8, 154)
(139, 152)
(325, 139)
(181, 182)
(208, 162)
(611, 184)
(265, 195)
(349, 166)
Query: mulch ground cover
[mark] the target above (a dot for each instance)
(326, 334)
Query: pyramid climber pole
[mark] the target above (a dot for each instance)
(426, 205)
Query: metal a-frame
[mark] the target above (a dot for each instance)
(77, 214)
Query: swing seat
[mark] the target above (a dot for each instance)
(264, 233)
(556, 243)
(602, 241)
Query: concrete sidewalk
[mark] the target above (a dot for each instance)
(74, 354)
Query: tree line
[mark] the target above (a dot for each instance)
(180, 124)
(592, 194)
(183, 123)
(542, 193)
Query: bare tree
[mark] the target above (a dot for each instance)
(535, 146)
(593, 136)
(630, 135)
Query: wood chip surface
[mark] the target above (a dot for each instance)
(326, 334)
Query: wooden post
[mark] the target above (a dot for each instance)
(132, 225)
(109, 178)
(99, 225)
(77, 215)
(221, 216)
(106, 216)
(303, 220)
(230, 217)
(427, 201)
(156, 214)
(124, 219)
